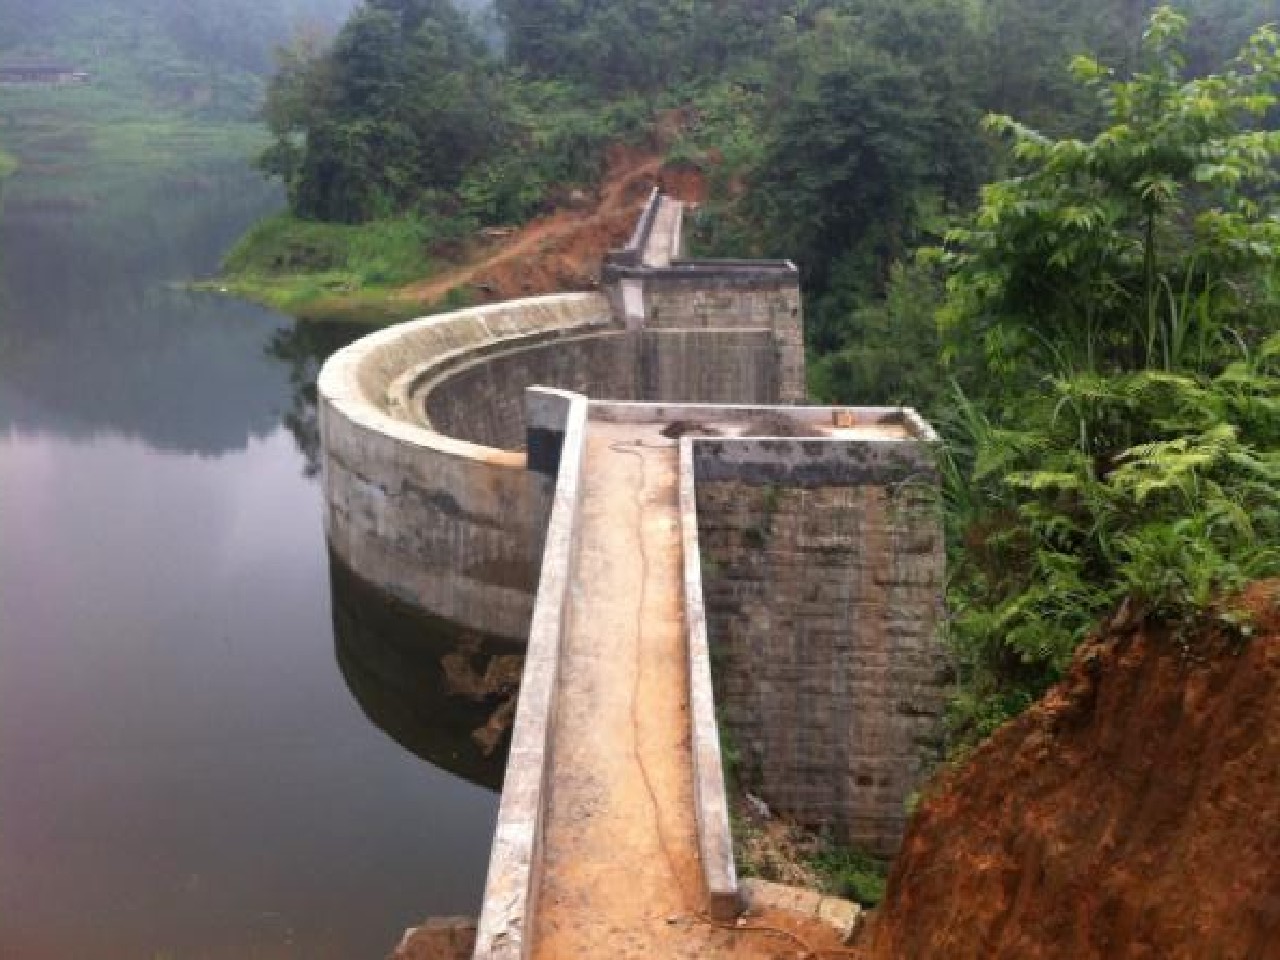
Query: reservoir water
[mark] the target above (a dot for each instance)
(188, 767)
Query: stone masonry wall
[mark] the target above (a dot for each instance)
(484, 401)
(823, 597)
(734, 298)
(699, 300)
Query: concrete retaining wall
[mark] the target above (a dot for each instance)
(711, 802)
(422, 427)
(505, 930)
(722, 295)
(633, 252)
(452, 527)
(482, 400)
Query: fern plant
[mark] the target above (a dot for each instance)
(1111, 321)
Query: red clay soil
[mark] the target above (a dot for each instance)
(1134, 812)
(562, 251)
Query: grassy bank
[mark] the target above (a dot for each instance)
(340, 271)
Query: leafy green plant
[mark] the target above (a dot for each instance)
(1111, 317)
(851, 874)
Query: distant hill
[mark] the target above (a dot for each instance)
(206, 55)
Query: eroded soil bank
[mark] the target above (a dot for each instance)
(1134, 812)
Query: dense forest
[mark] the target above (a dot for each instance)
(1051, 225)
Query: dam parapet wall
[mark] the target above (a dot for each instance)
(447, 525)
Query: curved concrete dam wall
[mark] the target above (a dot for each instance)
(423, 427)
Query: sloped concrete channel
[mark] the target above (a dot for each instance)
(613, 832)
(620, 836)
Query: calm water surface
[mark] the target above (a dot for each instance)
(184, 770)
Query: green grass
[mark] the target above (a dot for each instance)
(327, 297)
(8, 164)
(333, 256)
(339, 271)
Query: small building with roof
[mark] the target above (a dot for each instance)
(41, 74)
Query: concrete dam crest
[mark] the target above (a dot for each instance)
(701, 508)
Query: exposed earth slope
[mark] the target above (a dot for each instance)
(562, 251)
(1134, 812)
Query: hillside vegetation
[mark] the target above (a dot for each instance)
(1081, 290)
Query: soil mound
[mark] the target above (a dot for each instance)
(1134, 812)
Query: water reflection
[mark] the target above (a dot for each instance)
(98, 337)
(183, 772)
(303, 348)
(444, 693)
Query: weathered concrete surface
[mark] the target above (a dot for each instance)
(620, 876)
(482, 400)
(664, 239)
(620, 848)
(650, 286)
(451, 527)
(546, 417)
(736, 420)
(512, 886)
(704, 295)
(711, 801)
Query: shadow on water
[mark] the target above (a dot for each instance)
(446, 694)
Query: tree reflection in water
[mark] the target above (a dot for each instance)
(304, 347)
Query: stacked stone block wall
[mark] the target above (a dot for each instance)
(715, 295)
(734, 298)
(705, 300)
(483, 401)
(823, 590)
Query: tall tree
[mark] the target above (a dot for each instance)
(405, 102)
